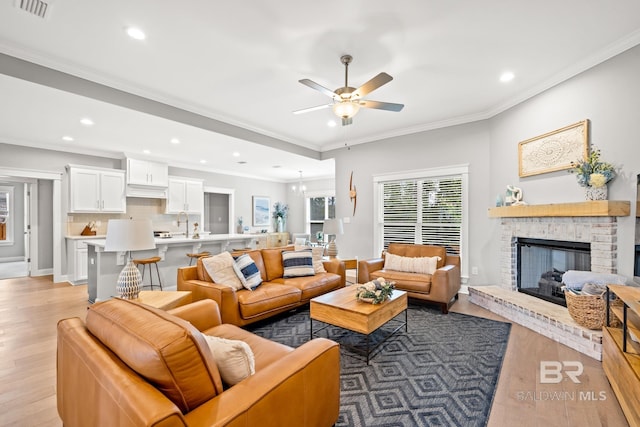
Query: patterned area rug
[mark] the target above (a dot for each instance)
(442, 372)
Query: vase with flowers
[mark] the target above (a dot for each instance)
(280, 211)
(594, 174)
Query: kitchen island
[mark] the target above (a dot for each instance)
(105, 267)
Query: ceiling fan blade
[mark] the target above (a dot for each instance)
(373, 84)
(310, 109)
(319, 88)
(389, 106)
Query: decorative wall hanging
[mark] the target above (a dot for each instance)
(353, 195)
(553, 151)
(261, 211)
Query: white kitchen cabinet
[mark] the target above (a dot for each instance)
(185, 195)
(77, 261)
(143, 172)
(96, 190)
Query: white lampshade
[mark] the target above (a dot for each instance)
(126, 235)
(332, 227)
(129, 235)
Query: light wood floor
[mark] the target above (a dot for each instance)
(31, 307)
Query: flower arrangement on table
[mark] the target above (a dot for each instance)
(376, 291)
(593, 172)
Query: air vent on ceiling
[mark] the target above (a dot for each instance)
(38, 8)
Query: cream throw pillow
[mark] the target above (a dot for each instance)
(423, 265)
(220, 268)
(234, 359)
(317, 253)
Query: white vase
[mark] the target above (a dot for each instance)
(596, 193)
(279, 224)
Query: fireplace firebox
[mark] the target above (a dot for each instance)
(541, 264)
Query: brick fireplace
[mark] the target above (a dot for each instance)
(593, 222)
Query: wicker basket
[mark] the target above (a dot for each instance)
(590, 310)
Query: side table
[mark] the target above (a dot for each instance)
(164, 300)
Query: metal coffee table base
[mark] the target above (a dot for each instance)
(367, 349)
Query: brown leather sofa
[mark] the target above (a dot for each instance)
(134, 365)
(441, 287)
(275, 295)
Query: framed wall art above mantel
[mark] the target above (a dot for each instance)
(554, 151)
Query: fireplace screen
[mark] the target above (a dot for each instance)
(541, 263)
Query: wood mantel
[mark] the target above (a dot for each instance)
(590, 208)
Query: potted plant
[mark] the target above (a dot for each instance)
(594, 174)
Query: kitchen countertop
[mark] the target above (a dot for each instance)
(100, 242)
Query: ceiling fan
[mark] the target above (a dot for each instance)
(347, 100)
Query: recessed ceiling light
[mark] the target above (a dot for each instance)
(175, 141)
(507, 76)
(67, 138)
(236, 154)
(136, 33)
(242, 162)
(277, 166)
(146, 151)
(86, 121)
(331, 123)
(203, 161)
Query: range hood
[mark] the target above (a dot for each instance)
(146, 192)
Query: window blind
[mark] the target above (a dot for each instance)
(423, 211)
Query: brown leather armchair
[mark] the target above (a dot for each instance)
(441, 287)
(134, 365)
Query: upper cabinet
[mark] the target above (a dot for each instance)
(142, 172)
(96, 190)
(185, 195)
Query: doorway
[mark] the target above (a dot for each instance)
(218, 210)
(15, 227)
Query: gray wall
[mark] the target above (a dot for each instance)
(45, 225)
(457, 145)
(608, 95)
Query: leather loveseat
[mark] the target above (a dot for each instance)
(134, 365)
(275, 295)
(440, 287)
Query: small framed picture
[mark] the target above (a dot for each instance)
(261, 211)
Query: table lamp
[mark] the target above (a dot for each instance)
(332, 227)
(127, 235)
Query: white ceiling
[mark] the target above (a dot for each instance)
(223, 77)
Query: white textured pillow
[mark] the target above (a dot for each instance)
(317, 253)
(220, 268)
(423, 265)
(234, 358)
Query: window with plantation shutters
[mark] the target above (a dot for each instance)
(424, 207)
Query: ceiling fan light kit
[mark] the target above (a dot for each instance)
(348, 100)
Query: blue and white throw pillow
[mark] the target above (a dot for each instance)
(247, 272)
(297, 263)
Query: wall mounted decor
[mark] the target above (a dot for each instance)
(353, 195)
(553, 151)
(261, 211)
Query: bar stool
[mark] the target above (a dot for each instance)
(196, 256)
(147, 262)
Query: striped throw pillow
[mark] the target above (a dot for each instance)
(247, 272)
(297, 263)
